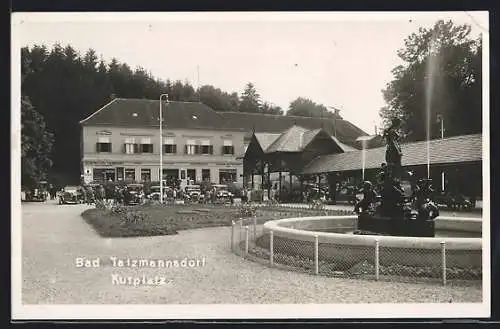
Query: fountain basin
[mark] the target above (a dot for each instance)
(296, 236)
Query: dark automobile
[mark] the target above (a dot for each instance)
(38, 192)
(193, 192)
(133, 194)
(71, 195)
(155, 192)
(350, 194)
(222, 191)
(453, 201)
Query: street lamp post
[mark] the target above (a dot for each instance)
(441, 121)
(161, 146)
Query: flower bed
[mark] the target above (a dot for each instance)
(156, 219)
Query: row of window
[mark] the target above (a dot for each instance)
(129, 174)
(167, 149)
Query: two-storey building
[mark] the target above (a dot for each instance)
(121, 141)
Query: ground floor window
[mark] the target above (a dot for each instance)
(170, 176)
(205, 175)
(119, 173)
(103, 174)
(146, 175)
(191, 174)
(227, 176)
(130, 174)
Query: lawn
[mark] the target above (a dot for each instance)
(153, 220)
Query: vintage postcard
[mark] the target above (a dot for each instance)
(265, 165)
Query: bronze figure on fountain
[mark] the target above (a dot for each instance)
(394, 213)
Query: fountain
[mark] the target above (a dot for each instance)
(392, 213)
(363, 140)
(430, 70)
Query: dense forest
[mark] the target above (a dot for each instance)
(60, 87)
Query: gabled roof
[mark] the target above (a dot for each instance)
(265, 139)
(145, 113)
(291, 140)
(465, 148)
(294, 139)
(268, 123)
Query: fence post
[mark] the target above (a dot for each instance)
(316, 254)
(232, 235)
(271, 248)
(443, 261)
(246, 240)
(377, 259)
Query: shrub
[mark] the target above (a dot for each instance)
(316, 205)
(133, 217)
(118, 209)
(99, 204)
(247, 210)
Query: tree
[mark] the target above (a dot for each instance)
(305, 107)
(218, 99)
(250, 99)
(268, 108)
(65, 86)
(440, 74)
(36, 145)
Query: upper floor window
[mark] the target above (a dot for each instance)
(146, 146)
(169, 146)
(130, 146)
(206, 148)
(103, 145)
(191, 147)
(228, 147)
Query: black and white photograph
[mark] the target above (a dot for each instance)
(250, 165)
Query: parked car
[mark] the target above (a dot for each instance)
(155, 192)
(222, 191)
(350, 194)
(71, 195)
(453, 201)
(38, 193)
(193, 192)
(134, 194)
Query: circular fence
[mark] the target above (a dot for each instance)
(325, 245)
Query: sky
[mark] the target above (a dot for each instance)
(343, 60)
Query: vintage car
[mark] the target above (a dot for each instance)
(71, 195)
(350, 194)
(38, 193)
(453, 201)
(155, 192)
(133, 194)
(193, 192)
(222, 191)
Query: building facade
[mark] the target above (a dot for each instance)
(113, 149)
(121, 141)
(133, 154)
